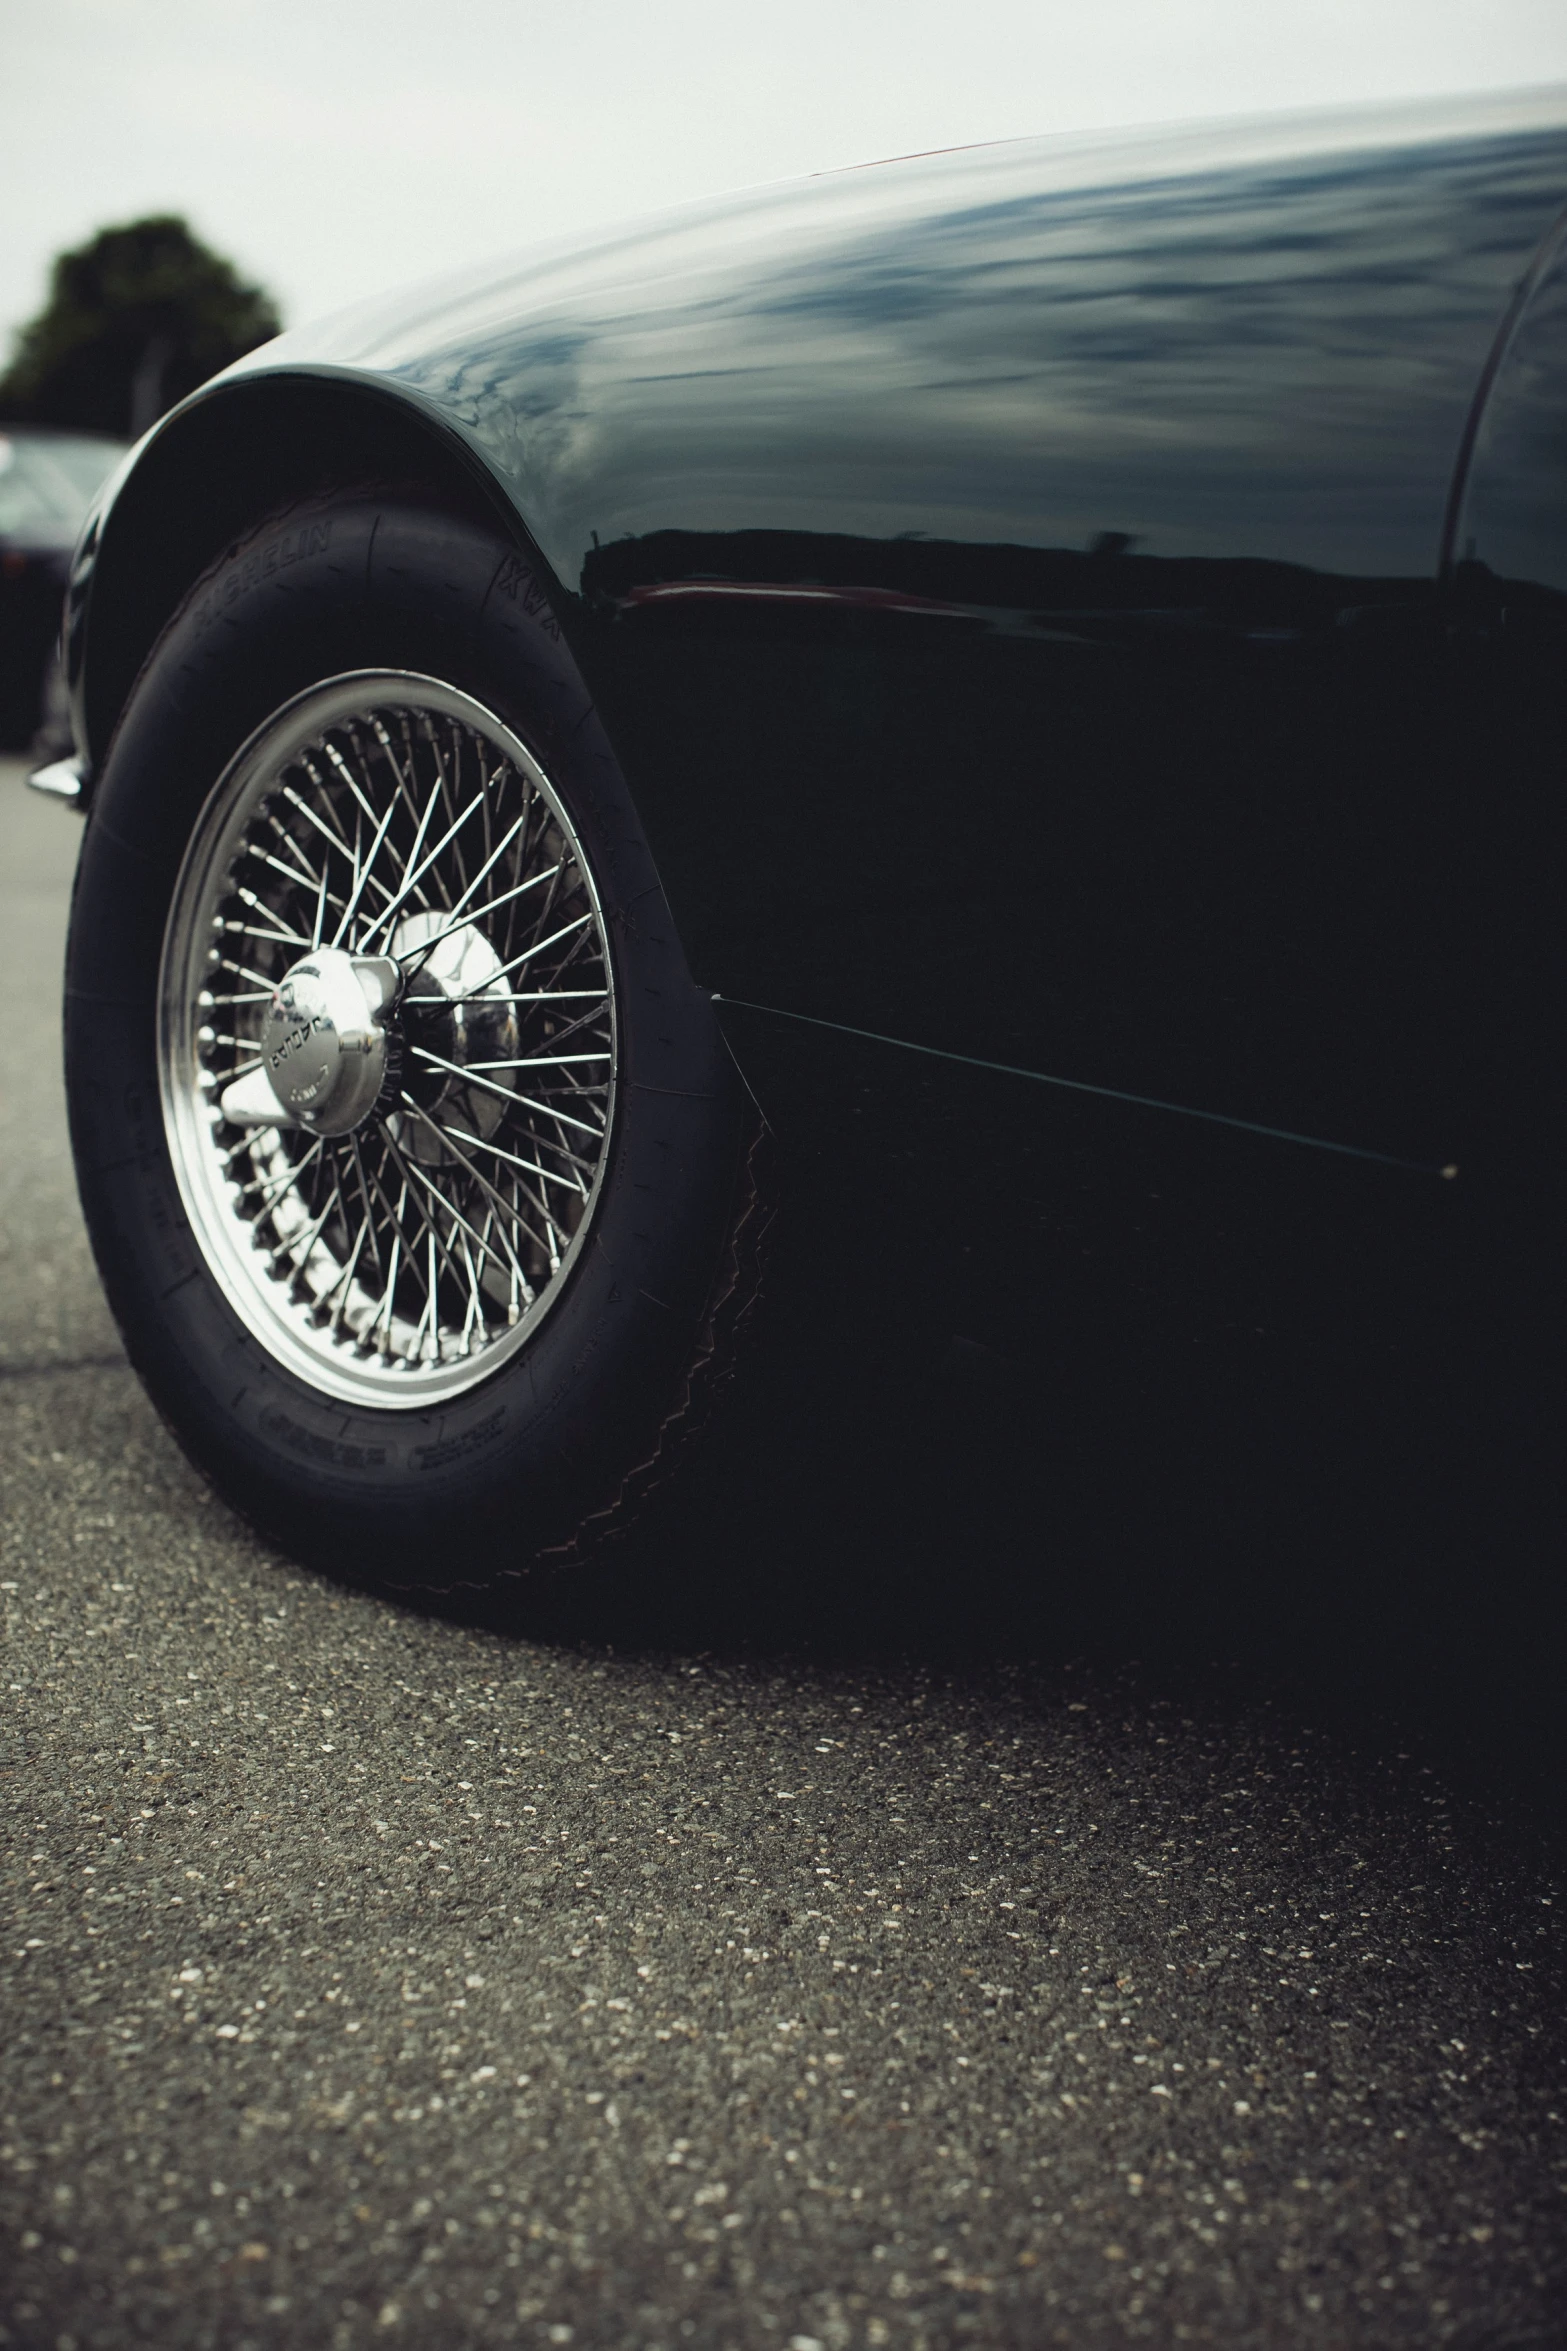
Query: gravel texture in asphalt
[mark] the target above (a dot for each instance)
(376, 1977)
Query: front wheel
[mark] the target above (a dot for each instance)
(410, 1153)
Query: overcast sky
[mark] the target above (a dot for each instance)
(333, 147)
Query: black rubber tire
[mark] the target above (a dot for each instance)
(552, 1443)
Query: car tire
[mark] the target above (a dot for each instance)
(552, 1285)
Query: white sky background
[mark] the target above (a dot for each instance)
(334, 147)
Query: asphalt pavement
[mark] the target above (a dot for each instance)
(376, 1976)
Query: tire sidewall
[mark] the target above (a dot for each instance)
(385, 581)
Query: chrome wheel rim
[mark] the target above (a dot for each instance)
(387, 1039)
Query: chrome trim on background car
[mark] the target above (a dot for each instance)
(62, 779)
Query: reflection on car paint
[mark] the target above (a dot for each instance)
(1011, 581)
(1269, 356)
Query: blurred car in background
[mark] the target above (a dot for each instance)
(47, 481)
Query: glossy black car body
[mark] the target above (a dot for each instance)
(1091, 607)
(47, 482)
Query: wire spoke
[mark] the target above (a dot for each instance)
(564, 1118)
(329, 833)
(474, 915)
(412, 1172)
(541, 1061)
(482, 1143)
(363, 813)
(534, 996)
(242, 971)
(529, 952)
(288, 872)
(352, 908)
(415, 1173)
(274, 1187)
(248, 930)
(583, 940)
(394, 1218)
(450, 1141)
(411, 880)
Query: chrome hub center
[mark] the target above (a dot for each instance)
(460, 1020)
(324, 1045)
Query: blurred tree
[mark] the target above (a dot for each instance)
(135, 319)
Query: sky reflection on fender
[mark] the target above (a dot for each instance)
(1270, 356)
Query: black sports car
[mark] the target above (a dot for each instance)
(47, 482)
(1030, 677)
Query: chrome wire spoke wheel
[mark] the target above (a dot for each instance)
(387, 1039)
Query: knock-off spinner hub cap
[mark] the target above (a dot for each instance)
(324, 1045)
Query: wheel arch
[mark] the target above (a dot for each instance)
(211, 470)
